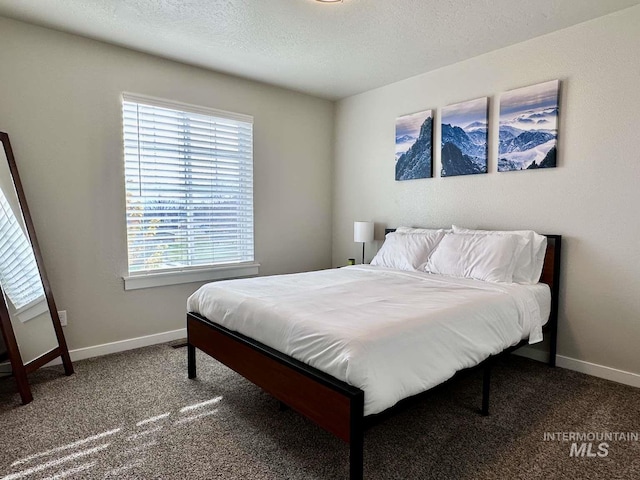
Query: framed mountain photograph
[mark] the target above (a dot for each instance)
(464, 138)
(413, 146)
(529, 127)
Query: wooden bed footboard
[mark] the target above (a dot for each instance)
(332, 404)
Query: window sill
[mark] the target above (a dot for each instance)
(33, 310)
(161, 279)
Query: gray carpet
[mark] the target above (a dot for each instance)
(136, 415)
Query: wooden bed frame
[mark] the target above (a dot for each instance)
(331, 403)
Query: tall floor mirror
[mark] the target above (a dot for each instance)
(32, 335)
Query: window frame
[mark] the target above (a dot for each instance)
(187, 274)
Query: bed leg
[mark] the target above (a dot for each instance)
(356, 456)
(486, 387)
(356, 442)
(191, 361)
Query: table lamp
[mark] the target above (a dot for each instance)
(363, 232)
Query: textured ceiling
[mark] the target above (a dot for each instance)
(329, 50)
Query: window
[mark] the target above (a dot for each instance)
(189, 192)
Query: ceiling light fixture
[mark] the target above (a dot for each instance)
(329, 1)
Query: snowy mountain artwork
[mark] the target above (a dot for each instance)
(528, 127)
(464, 138)
(413, 146)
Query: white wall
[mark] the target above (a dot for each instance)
(60, 104)
(591, 199)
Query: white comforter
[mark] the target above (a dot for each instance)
(391, 333)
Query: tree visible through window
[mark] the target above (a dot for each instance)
(189, 186)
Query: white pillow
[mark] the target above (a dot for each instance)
(406, 252)
(484, 257)
(420, 230)
(530, 261)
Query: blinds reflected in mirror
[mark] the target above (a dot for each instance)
(19, 274)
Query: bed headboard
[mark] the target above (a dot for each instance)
(550, 276)
(551, 266)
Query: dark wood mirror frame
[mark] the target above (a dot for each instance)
(19, 369)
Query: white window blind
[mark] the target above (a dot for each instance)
(189, 186)
(19, 274)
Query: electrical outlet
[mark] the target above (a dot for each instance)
(63, 317)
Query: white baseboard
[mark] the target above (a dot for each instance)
(123, 345)
(113, 347)
(600, 371)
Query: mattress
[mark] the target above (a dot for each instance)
(390, 333)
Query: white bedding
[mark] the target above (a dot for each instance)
(391, 333)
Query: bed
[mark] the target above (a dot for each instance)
(299, 338)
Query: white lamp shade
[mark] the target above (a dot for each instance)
(363, 232)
